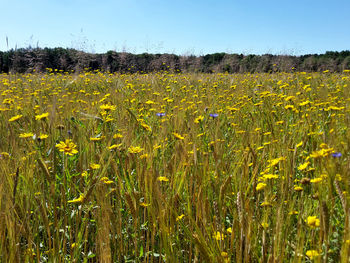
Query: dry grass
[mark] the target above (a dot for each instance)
(239, 168)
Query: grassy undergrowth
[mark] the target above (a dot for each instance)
(168, 167)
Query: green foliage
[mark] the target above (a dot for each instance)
(67, 60)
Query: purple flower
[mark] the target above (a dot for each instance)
(213, 115)
(160, 114)
(336, 154)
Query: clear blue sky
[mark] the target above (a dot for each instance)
(180, 26)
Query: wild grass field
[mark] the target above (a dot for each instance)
(164, 167)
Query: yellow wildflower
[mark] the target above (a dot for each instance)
(107, 107)
(162, 179)
(115, 146)
(312, 254)
(219, 236)
(179, 217)
(303, 166)
(135, 149)
(95, 139)
(68, 147)
(117, 135)
(313, 221)
(26, 135)
(199, 119)
(15, 118)
(43, 136)
(80, 199)
(298, 188)
(265, 203)
(146, 127)
(178, 136)
(95, 166)
(274, 162)
(260, 186)
(270, 176)
(293, 212)
(144, 156)
(264, 225)
(316, 180)
(143, 204)
(41, 116)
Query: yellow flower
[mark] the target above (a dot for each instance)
(274, 162)
(144, 156)
(265, 203)
(43, 136)
(298, 188)
(219, 236)
(313, 221)
(146, 127)
(80, 199)
(41, 116)
(260, 186)
(303, 166)
(270, 176)
(304, 103)
(143, 204)
(68, 147)
(178, 136)
(108, 182)
(135, 149)
(107, 107)
(299, 144)
(287, 107)
(26, 135)
(115, 146)
(179, 217)
(162, 179)
(316, 180)
(264, 225)
(199, 119)
(312, 254)
(321, 153)
(117, 135)
(15, 118)
(157, 146)
(293, 212)
(95, 139)
(95, 166)
(4, 155)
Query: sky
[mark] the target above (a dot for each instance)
(184, 27)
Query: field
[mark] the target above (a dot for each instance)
(164, 167)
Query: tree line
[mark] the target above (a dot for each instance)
(71, 60)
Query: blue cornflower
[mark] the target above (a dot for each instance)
(213, 115)
(336, 154)
(160, 114)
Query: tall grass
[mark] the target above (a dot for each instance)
(175, 167)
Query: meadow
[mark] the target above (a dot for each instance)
(174, 167)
